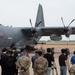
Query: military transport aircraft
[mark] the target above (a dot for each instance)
(29, 36)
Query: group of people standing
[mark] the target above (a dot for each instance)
(65, 64)
(42, 62)
(7, 62)
(49, 63)
(13, 63)
(12, 60)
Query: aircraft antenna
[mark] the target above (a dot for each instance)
(62, 21)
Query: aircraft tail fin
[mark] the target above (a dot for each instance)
(40, 17)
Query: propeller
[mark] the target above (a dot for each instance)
(33, 30)
(31, 23)
(71, 22)
(62, 21)
(37, 24)
(67, 30)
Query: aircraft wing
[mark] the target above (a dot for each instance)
(73, 29)
(27, 31)
(47, 31)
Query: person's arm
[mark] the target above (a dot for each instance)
(35, 65)
(66, 61)
(46, 66)
(18, 63)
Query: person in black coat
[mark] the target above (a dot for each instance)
(3, 61)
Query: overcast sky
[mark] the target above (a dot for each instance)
(18, 12)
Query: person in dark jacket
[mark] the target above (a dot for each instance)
(50, 58)
(15, 56)
(10, 64)
(63, 63)
(33, 59)
(3, 61)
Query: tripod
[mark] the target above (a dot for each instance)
(53, 70)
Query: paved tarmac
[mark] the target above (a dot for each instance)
(57, 65)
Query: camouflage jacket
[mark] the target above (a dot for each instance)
(40, 65)
(23, 63)
(72, 70)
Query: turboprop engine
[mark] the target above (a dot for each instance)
(55, 37)
(67, 29)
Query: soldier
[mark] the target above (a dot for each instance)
(41, 64)
(23, 63)
(72, 70)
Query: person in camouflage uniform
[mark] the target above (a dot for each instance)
(23, 63)
(41, 64)
(72, 70)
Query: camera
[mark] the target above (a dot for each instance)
(51, 50)
(67, 51)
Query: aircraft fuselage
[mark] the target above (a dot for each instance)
(10, 35)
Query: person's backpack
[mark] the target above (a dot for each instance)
(10, 62)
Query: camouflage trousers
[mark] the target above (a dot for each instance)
(41, 74)
(24, 73)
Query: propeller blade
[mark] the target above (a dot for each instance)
(62, 21)
(71, 22)
(37, 24)
(30, 23)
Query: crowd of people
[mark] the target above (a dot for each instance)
(15, 62)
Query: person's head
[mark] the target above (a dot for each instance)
(24, 52)
(9, 53)
(74, 52)
(62, 50)
(18, 50)
(36, 52)
(4, 50)
(48, 50)
(40, 53)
